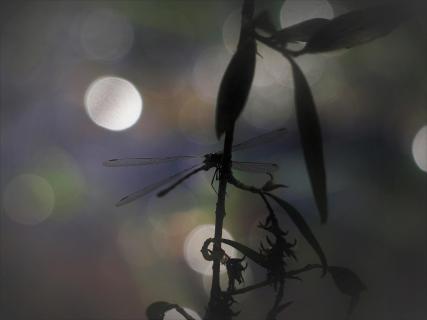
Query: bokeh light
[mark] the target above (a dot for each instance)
(28, 199)
(419, 148)
(175, 315)
(194, 242)
(64, 174)
(106, 35)
(196, 120)
(132, 240)
(230, 32)
(313, 67)
(269, 107)
(113, 103)
(208, 71)
(296, 11)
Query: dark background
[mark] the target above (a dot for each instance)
(68, 253)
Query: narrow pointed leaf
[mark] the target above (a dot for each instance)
(248, 252)
(237, 80)
(303, 227)
(302, 31)
(348, 283)
(311, 139)
(157, 310)
(358, 27)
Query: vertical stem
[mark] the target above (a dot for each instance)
(219, 216)
(272, 314)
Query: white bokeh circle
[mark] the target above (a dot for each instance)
(113, 103)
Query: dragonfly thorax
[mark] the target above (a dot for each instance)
(213, 159)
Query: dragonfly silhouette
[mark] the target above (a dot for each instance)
(210, 160)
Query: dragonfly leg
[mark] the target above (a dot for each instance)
(214, 177)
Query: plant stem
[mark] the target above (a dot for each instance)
(274, 310)
(224, 172)
(289, 275)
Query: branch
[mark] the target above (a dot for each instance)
(308, 267)
(288, 275)
(240, 185)
(183, 313)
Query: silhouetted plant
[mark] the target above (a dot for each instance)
(274, 255)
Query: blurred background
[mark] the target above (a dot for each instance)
(87, 81)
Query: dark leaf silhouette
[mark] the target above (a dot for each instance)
(357, 27)
(303, 227)
(300, 32)
(248, 252)
(237, 80)
(311, 139)
(157, 310)
(348, 283)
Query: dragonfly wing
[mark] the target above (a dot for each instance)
(260, 140)
(140, 193)
(128, 162)
(255, 167)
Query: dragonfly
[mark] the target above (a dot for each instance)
(210, 160)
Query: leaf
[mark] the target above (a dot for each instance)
(248, 252)
(157, 310)
(311, 139)
(237, 80)
(348, 283)
(302, 31)
(303, 227)
(357, 27)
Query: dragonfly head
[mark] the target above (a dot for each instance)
(213, 159)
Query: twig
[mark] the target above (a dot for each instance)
(183, 313)
(219, 218)
(288, 275)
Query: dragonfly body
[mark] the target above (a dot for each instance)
(213, 160)
(210, 160)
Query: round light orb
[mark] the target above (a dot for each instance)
(130, 237)
(208, 71)
(230, 35)
(196, 121)
(269, 107)
(313, 67)
(175, 315)
(296, 11)
(231, 31)
(419, 148)
(194, 242)
(28, 199)
(106, 35)
(113, 103)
